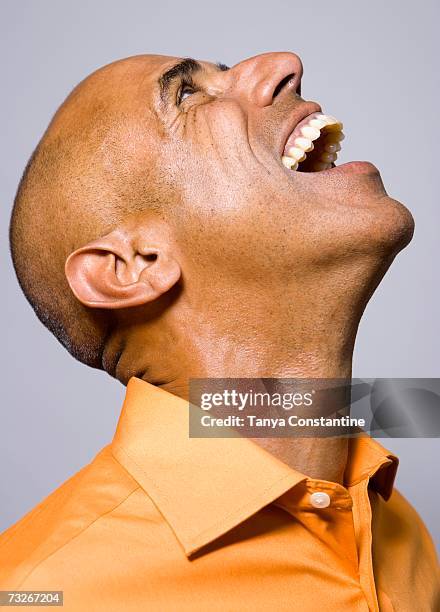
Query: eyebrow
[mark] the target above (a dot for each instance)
(185, 69)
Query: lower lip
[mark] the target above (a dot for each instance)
(355, 167)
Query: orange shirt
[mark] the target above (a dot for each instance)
(161, 521)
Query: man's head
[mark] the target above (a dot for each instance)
(161, 184)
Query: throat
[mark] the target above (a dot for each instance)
(322, 458)
(318, 458)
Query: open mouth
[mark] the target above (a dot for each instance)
(314, 144)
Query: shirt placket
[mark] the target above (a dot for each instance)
(342, 522)
(362, 518)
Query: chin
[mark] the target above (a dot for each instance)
(379, 224)
(392, 228)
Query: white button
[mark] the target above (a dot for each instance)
(320, 499)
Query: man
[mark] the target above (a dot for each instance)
(163, 230)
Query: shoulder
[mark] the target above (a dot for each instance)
(398, 525)
(402, 517)
(405, 558)
(65, 514)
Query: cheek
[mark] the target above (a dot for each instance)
(218, 133)
(225, 121)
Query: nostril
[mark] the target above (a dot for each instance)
(278, 89)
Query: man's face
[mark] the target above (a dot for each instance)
(213, 139)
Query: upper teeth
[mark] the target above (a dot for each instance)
(309, 130)
(305, 143)
(297, 153)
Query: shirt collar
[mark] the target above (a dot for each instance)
(206, 486)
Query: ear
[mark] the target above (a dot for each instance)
(120, 271)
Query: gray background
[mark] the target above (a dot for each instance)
(372, 64)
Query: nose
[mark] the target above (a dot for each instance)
(261, 79)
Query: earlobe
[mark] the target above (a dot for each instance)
(111, 274)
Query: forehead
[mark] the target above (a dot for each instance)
(133, 85)
(118, 107)
(146, 70)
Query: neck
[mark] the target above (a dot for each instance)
(319, 344)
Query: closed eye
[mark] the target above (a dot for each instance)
(183, 70)
(186, 90)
